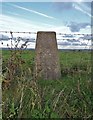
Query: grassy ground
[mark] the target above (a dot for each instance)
(69, 97)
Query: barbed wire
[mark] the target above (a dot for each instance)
(36, 33)
(74, 34)
(35, 39)
(64, 35)
(18, 32)
(69, 37)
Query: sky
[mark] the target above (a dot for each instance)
(61, 17)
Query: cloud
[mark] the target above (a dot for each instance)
(12, 13)
(70, 36)
(83, 44)
(75, 27)
(88, 37)
(4, 37)
(72, 1)
(60, 6)
(29, 39)
(73, 40)
(16, 36)
(9, 23)
(33, 11)
(82, 8)
(72, 43)
(76, 44)
(64, 43)
(75, 5)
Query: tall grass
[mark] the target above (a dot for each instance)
(68, 97)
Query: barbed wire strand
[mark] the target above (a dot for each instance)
(36, 33)
(66, 35)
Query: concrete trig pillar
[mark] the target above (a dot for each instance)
(47, 64)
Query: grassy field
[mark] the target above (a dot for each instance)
(69, 97)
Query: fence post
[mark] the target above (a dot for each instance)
(47, 65)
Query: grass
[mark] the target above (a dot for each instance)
(69, 97)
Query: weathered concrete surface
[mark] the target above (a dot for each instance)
(47, 64)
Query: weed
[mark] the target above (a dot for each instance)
(68, 97)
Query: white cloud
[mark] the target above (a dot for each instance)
(18, 24)
(12, 13)
(62, 29)
(9, 23)
(33, 11)
(82, 10)
(74, 47)
(86, 30)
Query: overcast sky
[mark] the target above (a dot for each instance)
(61, 17)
